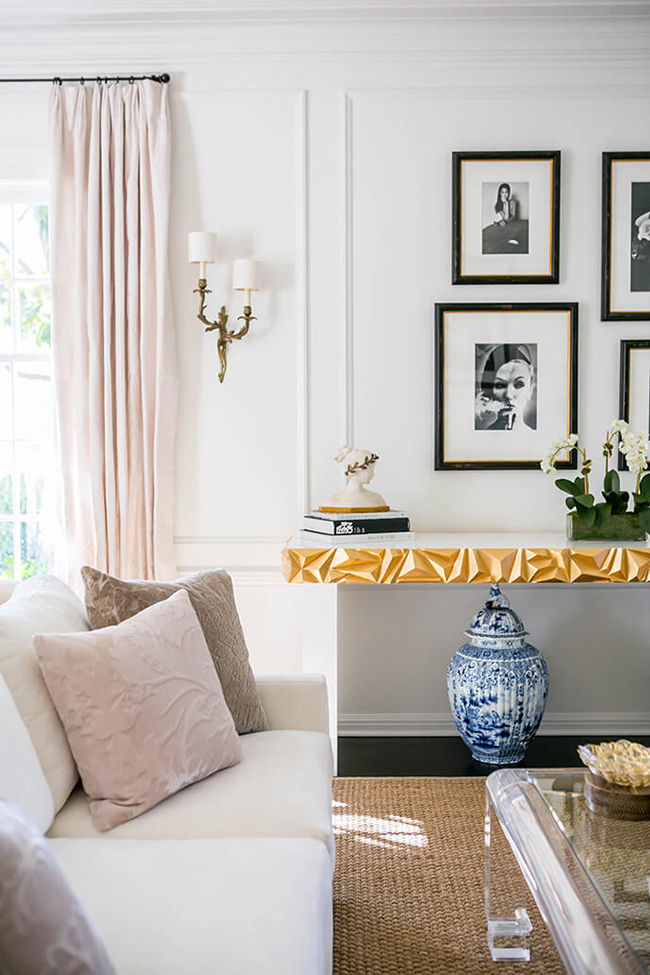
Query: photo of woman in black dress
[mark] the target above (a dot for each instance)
(505, 218)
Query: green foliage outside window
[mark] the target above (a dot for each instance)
(35, 314)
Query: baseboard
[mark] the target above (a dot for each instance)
(440, 724)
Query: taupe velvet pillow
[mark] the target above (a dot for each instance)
(110, 601)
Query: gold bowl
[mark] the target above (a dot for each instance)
(624, 763)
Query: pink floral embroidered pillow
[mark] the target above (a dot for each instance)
(44, 930)
(142, 706)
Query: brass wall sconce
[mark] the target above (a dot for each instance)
(202, 250)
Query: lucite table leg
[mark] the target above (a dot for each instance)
(508, 924)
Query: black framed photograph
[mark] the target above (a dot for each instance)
(506, 217)
(625, 289)
(506, 384)
(634, 388)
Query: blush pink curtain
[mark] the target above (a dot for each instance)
(113, 340)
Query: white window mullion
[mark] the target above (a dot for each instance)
(15, 491)
(17, 280)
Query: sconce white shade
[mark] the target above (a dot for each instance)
(246, 275)
(201, 248)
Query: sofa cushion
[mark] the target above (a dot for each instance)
(43, 928)
(142, 707)
(283, 787)
(42, 604)
(206, 906)
(22, 781)
(110, 600)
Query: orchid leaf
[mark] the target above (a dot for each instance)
(603, 513)
(587, 516)
(568, 486)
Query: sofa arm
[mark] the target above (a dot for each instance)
(296, 702)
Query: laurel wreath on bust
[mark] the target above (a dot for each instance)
(361, 465)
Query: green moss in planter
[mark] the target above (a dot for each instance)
(618, 528)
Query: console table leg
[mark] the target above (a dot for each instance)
(508, 923)
(319, 606)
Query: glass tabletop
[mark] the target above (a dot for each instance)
(614, 852)
(589, 873)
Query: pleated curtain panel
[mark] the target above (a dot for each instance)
(113, 340)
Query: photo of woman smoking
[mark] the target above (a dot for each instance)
(506, 387)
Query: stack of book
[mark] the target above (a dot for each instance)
(374, 526)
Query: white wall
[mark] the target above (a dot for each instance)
(321, 144)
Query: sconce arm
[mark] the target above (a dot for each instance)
(224, 337)
(247, 318)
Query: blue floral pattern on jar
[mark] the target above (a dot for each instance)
(498, 685)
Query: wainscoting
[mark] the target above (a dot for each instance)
(319, 140)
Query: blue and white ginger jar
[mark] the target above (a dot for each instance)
(498, 685)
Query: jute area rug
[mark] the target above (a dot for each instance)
(408, 886)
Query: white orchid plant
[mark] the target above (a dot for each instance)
(636, 448)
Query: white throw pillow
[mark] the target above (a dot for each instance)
(22, 781)
(7, 586)
(42, 604)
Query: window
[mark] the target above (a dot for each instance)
(26, 399)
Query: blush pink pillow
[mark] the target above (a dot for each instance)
(142, 706)
(44, 930)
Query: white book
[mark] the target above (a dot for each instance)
(353, 541)
(352, 515)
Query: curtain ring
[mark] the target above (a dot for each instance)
(56, 81)
(131, 80)
(99, 80)
(81, 81)
(105, 79)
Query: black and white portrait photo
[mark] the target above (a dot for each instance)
(504, 216)
(506, 386)
(640, 238)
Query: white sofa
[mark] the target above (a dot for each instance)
(233, 874)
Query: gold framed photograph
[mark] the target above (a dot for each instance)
(506, 384)
(506, 217)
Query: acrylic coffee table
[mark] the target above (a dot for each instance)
(589, 874)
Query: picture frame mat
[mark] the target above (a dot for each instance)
(639, 389)
(623, 173)
(550, 331)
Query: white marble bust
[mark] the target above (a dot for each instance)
(359, 471)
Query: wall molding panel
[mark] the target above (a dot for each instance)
(302, 304)
(442, 725)
(347, 273)
(317, 135)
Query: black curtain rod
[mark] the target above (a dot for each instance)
(163, 79)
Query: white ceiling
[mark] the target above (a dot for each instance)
(89, 11)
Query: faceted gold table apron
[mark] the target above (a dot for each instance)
(439, 558)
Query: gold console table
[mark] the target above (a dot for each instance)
(441, 558)
(459, 558)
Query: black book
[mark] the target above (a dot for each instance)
(355, 526)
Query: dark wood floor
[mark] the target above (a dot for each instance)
(449, 756)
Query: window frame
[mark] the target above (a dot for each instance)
(17, 193)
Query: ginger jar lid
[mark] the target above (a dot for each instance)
(496, 620)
